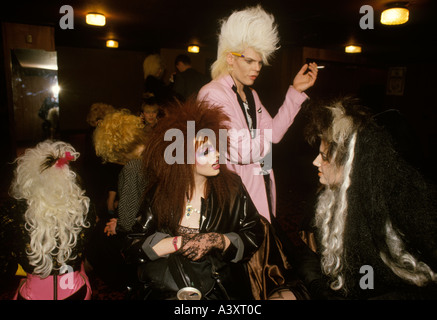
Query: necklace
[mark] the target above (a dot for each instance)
(189, 209)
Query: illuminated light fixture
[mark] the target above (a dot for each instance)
(396, 14)
(193, 49)
(352, 49)
(112, 44)
(95, 19)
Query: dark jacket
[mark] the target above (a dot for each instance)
(238, 220)
(188, 83)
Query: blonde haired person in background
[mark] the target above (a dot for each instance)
(119, 138)
(154, 85)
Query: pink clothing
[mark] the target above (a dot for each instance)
(36, 288)
(245, 152)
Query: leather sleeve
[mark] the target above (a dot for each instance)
(144, 226)
(250, 229)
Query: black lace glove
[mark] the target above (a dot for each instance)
(194, 247)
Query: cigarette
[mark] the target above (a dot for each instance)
(320, 67)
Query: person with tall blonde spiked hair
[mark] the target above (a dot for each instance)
(47, 226)
(248, 38)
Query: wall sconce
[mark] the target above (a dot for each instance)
(95, 19)
(193, 49)
(112, 44)
(352, 49)
(396, 14)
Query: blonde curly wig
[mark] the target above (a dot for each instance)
(118, 136)
(57, 206)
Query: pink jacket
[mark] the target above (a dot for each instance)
(245, 152)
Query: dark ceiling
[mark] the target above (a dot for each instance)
(151, 24)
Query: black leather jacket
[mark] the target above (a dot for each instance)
(238, 220)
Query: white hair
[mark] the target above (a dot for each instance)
(153, 66)
(249, 28)
(330, 219)
(56, 205)
(402, 263)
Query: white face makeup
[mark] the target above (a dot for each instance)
(329, 173)
(246, 66)
(207, 160)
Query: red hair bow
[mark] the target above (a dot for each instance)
(64, 160)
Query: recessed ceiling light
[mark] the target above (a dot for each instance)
(112, 43)
(352, 49)
(95, 19)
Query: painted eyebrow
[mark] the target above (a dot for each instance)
(249, 59)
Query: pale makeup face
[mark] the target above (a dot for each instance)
(207, 160)
(329, 173)
(245, 69)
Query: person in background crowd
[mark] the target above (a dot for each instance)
(100, 179)
(119, 138)
(154, 85)
(187, 81)
(150, 113)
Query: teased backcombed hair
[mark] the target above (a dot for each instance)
(118, 135)
(153, 65)
(177, 179)
(330, 219)
(97, 112)
(57, 206)
(249, 28)
(334, 123)
(381, 203)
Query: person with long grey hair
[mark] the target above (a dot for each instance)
(376, 216)
(48, 223)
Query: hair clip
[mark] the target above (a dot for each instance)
(64, 160)
(238, 54)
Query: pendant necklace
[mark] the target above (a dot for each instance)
(189, 209)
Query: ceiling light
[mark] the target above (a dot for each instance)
(352, 49)
(193, 49)
(112, 44)
(395, 15)
(95, 19)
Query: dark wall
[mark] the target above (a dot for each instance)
(87, 76)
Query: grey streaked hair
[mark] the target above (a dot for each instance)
(330, 219)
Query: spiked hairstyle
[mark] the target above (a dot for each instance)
(251, 27)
